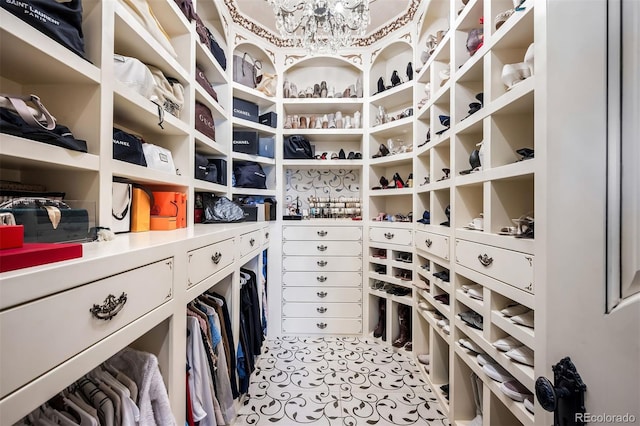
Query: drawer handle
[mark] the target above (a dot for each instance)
(322, 248)
(321, 325)
(252, 242)
(266, 235)
(322, 233)
(321, 310)
(388, 235)
(321, 278)
(428, 242)
(485, 260)
(216, 257)
(110, 307)
(322, 294)
(322, 263)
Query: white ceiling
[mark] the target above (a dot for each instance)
(382, 12)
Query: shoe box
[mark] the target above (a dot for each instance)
(245, 109)
(245, 141)
(266, 147)
(269, 119)
(221, 165)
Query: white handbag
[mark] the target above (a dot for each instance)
(143, 13)
(158, 158)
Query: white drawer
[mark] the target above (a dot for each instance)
(322, 310)
(315, 263)
(391, 235)
(266, 232)
(335, 233)
(511, 267)
(207, 260)
(38, 336)
(322, 248)
(249, 242)
(317, 279)
(322, 294)
(322, 325)
(435, 244)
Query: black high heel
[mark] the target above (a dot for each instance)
(381, 87)
(384, 183)
(410, 71)
(395, 79)
(398, 181)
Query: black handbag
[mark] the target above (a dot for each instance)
(220, 209)
(61, 21)
(205, 170)
(249, 175)
(128, 147)
(216, 50)
(297, 147)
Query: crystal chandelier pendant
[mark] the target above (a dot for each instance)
(321, 26)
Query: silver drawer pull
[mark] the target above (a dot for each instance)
(485, 260)
(216, 257)
(321, 325)
(321, 278)
(322, 262)
(322, 248)
(322, 233)
(252, 242)
(428, 242)
(388, 235)
(322, 294)
(321, 310)
(110, 307)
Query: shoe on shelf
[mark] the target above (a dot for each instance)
(506, 343)
(514, 309)
(515, 390)
(526, 319)
(472, 318)
(424, 359)
(496, 372)
(523, 355)
(384, 183)
(513, 74)
(341, 154)
(395, 78)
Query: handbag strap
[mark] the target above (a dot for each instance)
(22, 109)
(136, 185)
(126, 202)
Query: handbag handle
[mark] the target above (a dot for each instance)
(28, 114)
(125, 208)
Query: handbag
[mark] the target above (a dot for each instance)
(134, 74)
(216, 50)
(249, 174)
(121, 196)
(142, 11)
(168, 93)
(128, 147)
(204, 121)
(220, 209)
(297, 147)
(202, 79)
(61, 21)
(205, 170)
(186, 6)
(38, 116)
(171, 204)
(268, 84)
(158, 158)
(246, 71)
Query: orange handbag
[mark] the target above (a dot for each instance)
(140, 210)
(171, 204)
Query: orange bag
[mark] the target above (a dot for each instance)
(174, 204)
(140, 211)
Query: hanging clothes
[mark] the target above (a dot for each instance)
(223, 307)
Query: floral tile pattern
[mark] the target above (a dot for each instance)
(346, 381)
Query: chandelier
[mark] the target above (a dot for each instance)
(321, 26)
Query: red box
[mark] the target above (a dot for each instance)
(33, 254)
(11, 236)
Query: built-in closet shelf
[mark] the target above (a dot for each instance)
(517, 31)
(29, 154)
(323, 165)
(146, 175)
(441, 52)
(135, 111)
(132, 39)
(496, 286)
(437, 185)
(471, 71)
(509, 242)
(469, 17)
(216, 110)
(252, 95)
(518, 100)
(476, 305)
(392, 160)
(210, 143)
(513, 170)
(432, 321)
(463, 123)
(204, 186)
(393, 128)
(206, 60)
(37, 52)
(347, 106)
(251, 191)
(423, 112)
(171, 18)
(390, 192)
(327, 135)
(395, 97)
(524, 334)
(242, 124)
(254, 158)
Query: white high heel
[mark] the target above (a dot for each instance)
(528, 58)
(513, 74)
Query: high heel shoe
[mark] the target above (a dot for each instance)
(410, 71)
(398, 181)
(381, 87)
(384, 183)
(383, 151)
(395, 79)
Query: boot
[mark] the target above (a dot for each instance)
(303, 122)
(316, 90)
(339, 121)
(405, 323)
(323, 89)
(286, 89)
(357, 120)
(380, 85)
(395, 79)
(380, 330)
(410, 71)
(359, 90)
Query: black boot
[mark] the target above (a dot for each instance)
(380, 330)
(380, 85)
(395, 79)
(404, 322)
(410, 71)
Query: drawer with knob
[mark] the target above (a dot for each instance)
(42, 334)
(322, 310)
(319, 279)
(322, 325)
(511, 267)
(322, 294)
(435, 244)
(391, 235)
(316, 233)
(318, 263)
(266, 232)
(206, 261)
(322, 248)
(249, 242)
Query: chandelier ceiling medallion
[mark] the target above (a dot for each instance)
(321, 26)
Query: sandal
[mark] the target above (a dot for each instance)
(513, 74)
(502, 17)
(445, 120)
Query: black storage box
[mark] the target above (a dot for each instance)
(250, 212)
(246, 142)
(221, 165)
(269, 119)
(73, 225)
(245, 109)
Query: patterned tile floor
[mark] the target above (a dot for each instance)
(346, 381)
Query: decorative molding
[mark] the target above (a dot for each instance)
(273, 55)
(391, 27)
(374, 54)
(291, 59)
(240, 37)
(226, 25)
(355, 58)
(407, 37)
